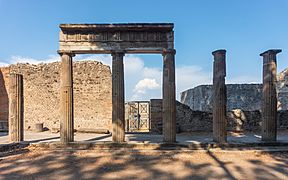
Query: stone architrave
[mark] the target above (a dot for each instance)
(269, 95)
(66, 99)
(169, 100)
(118, 104)
(219, 97)
(16, 108)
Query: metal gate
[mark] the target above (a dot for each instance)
(137, 116)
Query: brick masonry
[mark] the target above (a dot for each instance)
(92, 94)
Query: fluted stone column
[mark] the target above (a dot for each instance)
(169, 99)
(16, 108)
(219, 97)
(66, 99)
(118, 106)
(269, 96)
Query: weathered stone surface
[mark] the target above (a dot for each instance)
(269, 95)
(282, 90)
(239, 120)
(169, 97)
(66, 99)
(239, 96)
(92, 94)
(16, 108)
(188, 120)
(118, 98)
(219, 97)
(4, 100)
(156, 115)
(191, 121)
(106, 38)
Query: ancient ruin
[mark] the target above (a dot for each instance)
(16, 108)
(92, 83)
(117, 39)
(219, 97)
(105, 109)
(269, 102)
(143, 90)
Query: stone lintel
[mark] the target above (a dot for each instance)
(271, 51)
(127, 51)
(118, 27)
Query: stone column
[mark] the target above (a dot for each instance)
(169, 99)
(269, 95)
(118, 106)
(16, 108)
(66, 99)
(219, 97)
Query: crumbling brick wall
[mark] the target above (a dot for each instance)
(4, 101)
(92, 94)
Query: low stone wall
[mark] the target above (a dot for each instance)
(156, 115)
(190, 121)
(92, 94)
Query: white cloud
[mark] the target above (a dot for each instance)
(146, 84)
(145, 89)
(21, 59)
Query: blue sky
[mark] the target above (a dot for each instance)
(29, 32)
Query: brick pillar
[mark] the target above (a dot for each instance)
(219, 97)
(66, 99)
(169, 99)
(269, 96)
(118, 106)
(16, 108)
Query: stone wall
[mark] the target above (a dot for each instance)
(156, 115)
(92, 94)
(4, 102)
(282, 86)
(246, 97)
(239, 96)
(188, 120)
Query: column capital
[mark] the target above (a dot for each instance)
(168, 51)
(118, 52)
(69, 53)
(219, 52)
(271, 51)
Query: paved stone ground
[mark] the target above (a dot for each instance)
(37, 137)
(36, 163)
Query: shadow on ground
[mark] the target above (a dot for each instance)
(121, 164)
